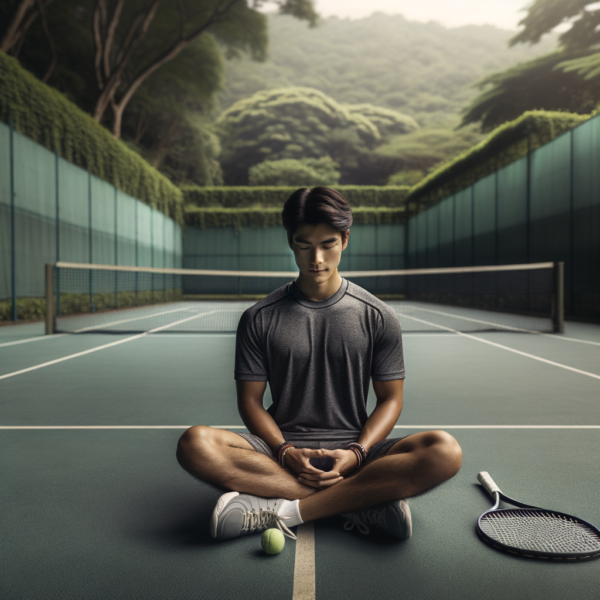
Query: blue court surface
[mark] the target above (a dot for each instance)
(94, 504)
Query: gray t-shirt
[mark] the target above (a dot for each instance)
(318, 357)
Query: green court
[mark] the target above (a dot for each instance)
(94, 504)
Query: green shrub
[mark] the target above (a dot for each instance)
(273, 196)
(408, 177)
(305, 172)
(28, 309)
(44, 115)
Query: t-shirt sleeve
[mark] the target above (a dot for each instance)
(250, 359)
(388, 356)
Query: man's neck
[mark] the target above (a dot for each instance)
(319, 291)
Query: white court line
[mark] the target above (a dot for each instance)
(483, 341)
(508, 327)
(124, 341)
(35, 339)
(165, 312)
(304, 564)
(85, 427)
(159, 336)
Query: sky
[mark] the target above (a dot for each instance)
(504, 14)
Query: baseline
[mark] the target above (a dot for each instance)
(507, 327)
(123, 341)
(35, 339)
(501, 346)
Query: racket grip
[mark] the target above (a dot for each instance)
(488, 483)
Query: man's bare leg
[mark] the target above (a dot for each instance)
(226, 459)
(411, 466)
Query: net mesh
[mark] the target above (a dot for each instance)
(124, 299)
(540, 531)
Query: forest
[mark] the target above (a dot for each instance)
(214, 93)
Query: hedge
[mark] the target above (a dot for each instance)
(254, 197)
(504, 145)
(34, 309)
(44, 115)
(239, 218)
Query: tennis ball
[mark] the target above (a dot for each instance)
(272, 541)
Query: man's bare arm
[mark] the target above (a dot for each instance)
(385, 415)
(258, 421)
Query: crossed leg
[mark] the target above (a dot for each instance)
(410, 467)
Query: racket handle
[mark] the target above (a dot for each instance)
(488, 483)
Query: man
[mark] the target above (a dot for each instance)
(318, 341)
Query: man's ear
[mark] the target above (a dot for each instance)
(345, 236)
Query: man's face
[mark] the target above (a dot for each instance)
(318, 250)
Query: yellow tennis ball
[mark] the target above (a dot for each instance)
(272, 541)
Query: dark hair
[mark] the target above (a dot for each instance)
(314, 206)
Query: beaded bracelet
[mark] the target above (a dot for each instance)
(281, 449)
(360, 448)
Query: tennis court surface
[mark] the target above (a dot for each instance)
(94, 504)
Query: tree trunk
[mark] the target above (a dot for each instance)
(108, 94)
(13, 31)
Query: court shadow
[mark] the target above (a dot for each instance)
(171, 518)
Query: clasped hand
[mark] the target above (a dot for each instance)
(297, 460)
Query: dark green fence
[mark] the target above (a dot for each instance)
(543, 207)
(370, 248)
(52, 210)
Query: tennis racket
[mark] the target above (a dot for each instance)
(535, 532)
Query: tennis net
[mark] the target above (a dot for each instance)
(83, 298)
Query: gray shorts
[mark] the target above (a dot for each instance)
(377, 450)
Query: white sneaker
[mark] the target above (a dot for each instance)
(240, 514)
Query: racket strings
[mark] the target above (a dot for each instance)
(540, 531)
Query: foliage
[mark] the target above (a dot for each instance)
(164, 113)
(407, 177)
(537, 84)
(48, 118)
(567, 79)
(239, 218)
(424, 149)
(34, 309)
(303, 123)
(419, 69)
(504, 145)
(288, 171)
(257, 197)
(292, 123)
(544, 15)
(388, 122)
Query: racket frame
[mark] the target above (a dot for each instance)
(498, 495)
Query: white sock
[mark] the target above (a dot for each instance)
(290, 508)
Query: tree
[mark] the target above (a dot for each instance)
(422, 151)
(24, 14)
(290, 172)
(134, 40)
(298, 123)
(388, 122)
(567, 79)
(168, 120)
(538, 84)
